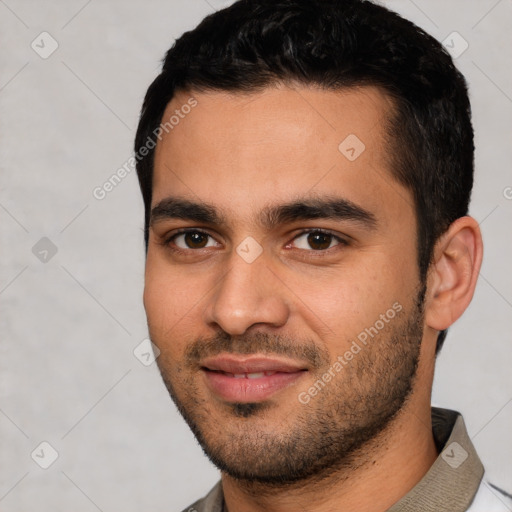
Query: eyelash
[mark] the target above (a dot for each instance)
(167, 242)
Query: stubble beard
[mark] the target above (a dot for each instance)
(324, 436)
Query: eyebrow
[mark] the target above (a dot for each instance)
(270, 216)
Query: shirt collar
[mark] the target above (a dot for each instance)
(452, 481)
(448, 486)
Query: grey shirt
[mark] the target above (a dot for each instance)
(448, 486)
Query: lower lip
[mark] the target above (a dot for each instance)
(249, 390)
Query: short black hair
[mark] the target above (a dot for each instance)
(336, 44)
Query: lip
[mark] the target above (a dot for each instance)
(227, 376)
(251, 364)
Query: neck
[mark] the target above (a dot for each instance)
(387, 468)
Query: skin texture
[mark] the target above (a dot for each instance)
(365, 439)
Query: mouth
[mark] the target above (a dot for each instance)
(250, 378)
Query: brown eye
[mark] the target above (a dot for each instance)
(196, 240)
(192, 240)
(319, 241)
(316, 240)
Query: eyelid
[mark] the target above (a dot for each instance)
(341, 241)
(167, 239)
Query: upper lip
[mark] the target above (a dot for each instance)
(250, 364)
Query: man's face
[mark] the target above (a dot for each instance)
(282, 283)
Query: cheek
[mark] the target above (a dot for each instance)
(165, 302)
(173, 300)
(349, 302)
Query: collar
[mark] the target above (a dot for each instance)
(453, 480)
(448, 486)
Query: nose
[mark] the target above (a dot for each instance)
(249, 294)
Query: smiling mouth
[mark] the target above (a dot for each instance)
(251, 378)
(254, 375)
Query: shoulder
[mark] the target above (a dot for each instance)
(212, 502)
(489, 498)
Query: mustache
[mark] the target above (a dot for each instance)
(255, 343)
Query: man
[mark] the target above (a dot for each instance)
(306, 168)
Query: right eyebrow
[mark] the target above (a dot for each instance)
(176, 208)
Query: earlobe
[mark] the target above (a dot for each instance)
(454, 272)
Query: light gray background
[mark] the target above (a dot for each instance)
(69, 325)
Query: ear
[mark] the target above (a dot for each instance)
(453, 273)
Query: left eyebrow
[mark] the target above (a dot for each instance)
(317, 208)
(331, 208)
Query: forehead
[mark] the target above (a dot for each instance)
(240, 150)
